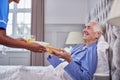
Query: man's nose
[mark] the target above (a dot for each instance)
(84, 29)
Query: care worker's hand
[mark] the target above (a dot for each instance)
(36, 48)
(21, 39)
(63, 54)
(33, 46)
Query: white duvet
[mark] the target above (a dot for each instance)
(33, 73)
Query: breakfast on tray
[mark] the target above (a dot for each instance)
(48, 47)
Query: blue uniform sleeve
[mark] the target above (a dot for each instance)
(4, 10)
(54, 61)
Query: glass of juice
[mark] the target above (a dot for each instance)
(30, 39)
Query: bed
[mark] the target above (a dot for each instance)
(33, 73)
(22, 72)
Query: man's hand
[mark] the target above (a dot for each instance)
(63, 54)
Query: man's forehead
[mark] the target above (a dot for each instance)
(91, 24)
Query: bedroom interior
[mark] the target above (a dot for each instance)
(52, 21)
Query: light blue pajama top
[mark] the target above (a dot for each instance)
(84, 62)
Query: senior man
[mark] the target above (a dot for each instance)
(82, 61)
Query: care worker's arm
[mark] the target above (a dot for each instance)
(19, 43)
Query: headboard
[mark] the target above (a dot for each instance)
(99, 13)
(115, 52)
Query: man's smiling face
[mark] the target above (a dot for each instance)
(89, 33)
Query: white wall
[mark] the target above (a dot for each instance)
(91, 4)
(65, 11)
(63, 16)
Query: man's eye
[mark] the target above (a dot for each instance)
(88, 27)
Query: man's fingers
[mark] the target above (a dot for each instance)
(57, 53)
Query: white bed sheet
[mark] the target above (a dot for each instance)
(23, 72)
(33, 73)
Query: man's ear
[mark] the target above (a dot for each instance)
(98, 34)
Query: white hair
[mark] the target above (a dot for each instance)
(98, 27)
